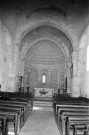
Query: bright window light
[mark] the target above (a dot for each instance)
(11, 133)
(44, 78)
(88, 58)
(37, 108)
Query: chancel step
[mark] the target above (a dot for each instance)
(42, 103)
(49, 99)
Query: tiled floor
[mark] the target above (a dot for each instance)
(40, 122)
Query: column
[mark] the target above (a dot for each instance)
(68, 79)
(80, 54)
(15, 67)
(75, 92)
(0, 56)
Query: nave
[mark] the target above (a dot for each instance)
(63, 115)
(44, 58)
(41, 121)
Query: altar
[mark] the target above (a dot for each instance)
(43, 92)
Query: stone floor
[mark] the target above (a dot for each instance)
(40, 122)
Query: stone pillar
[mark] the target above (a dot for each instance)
(0, 55)
(10, 85)
(49, 77)
(68, 79)
(79, 65)
(75, 92)
(86, 86)
(15, 66)
(58, 79)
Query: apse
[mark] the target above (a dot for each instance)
(46, 50)
(48, 59)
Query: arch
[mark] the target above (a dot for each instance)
(26, 47)
(51, 34)
(40, 18)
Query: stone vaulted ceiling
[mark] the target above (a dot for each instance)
(50, 43)
(73, 12)
(45, 52)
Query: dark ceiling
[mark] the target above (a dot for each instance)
(67, 3)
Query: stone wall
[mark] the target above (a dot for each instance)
(21, 18)
(82, 76)
(5, 59)
(52, 73)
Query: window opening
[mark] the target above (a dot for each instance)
(43, 78)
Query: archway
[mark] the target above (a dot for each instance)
(54, 30)
(47, 47)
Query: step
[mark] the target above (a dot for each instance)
(43, 99)
(41, 103)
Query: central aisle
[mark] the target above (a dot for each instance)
(40, 122)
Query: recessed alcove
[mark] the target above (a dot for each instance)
(49, 51)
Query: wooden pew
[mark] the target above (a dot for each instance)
(17, 95)
(3, 125)
(24, 97)
(26, 101)
(58, 99)
(26, 111)
(77, 124)
(18, 108)
(73, 109)
(12, 116)
(27, 107)
(68, 109)
(71, 114)
(14, 107)
(76, 105)
(62, 108)
(67, 97)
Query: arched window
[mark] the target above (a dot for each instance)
(88, 58)
(43, 78)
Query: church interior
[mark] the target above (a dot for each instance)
(44, 67)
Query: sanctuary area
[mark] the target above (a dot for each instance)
(44, 67)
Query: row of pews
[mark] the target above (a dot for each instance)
(14, 111)
(72, 114)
